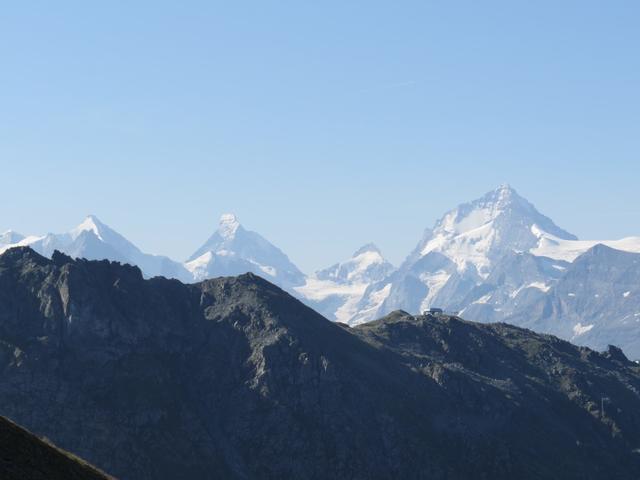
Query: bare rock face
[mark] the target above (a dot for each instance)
(234, 378)
(596, 302)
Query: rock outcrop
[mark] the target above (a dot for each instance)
(234, 378)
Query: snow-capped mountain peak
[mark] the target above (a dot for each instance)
(366, 265)
(10, 237)
(233, 250)
(337, 290)
(476, 233)
(228, 225)
(462, 251)
(89, 224)
(367, 248)
(503, 196)
(229, 233)
(503, 203)
(94, 240)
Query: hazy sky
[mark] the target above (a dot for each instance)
(322, 125)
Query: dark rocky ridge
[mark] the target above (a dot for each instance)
(23, 456)
(234, 378)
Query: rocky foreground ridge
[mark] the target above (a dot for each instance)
(234, 378)
(23, 456)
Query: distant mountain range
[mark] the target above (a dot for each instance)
(94, 240)
(493, 259)
(233, 378)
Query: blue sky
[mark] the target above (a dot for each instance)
(322, 125)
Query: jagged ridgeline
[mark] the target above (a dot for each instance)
(496, 258)
(234, 378)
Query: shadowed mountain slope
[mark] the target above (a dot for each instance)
(23, 456)
(234, 378)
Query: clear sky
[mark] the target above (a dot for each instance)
(322, 125)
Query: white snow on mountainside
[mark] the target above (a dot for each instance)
(232, 250)
(493, 259)
(94, 240)
(336, 291)
(475, 234)
(498, 259)
(568, 250)
(461, 252)
(10, 237)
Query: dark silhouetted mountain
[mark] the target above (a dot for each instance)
(234, 378)
(23, 456)
(494, 259)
